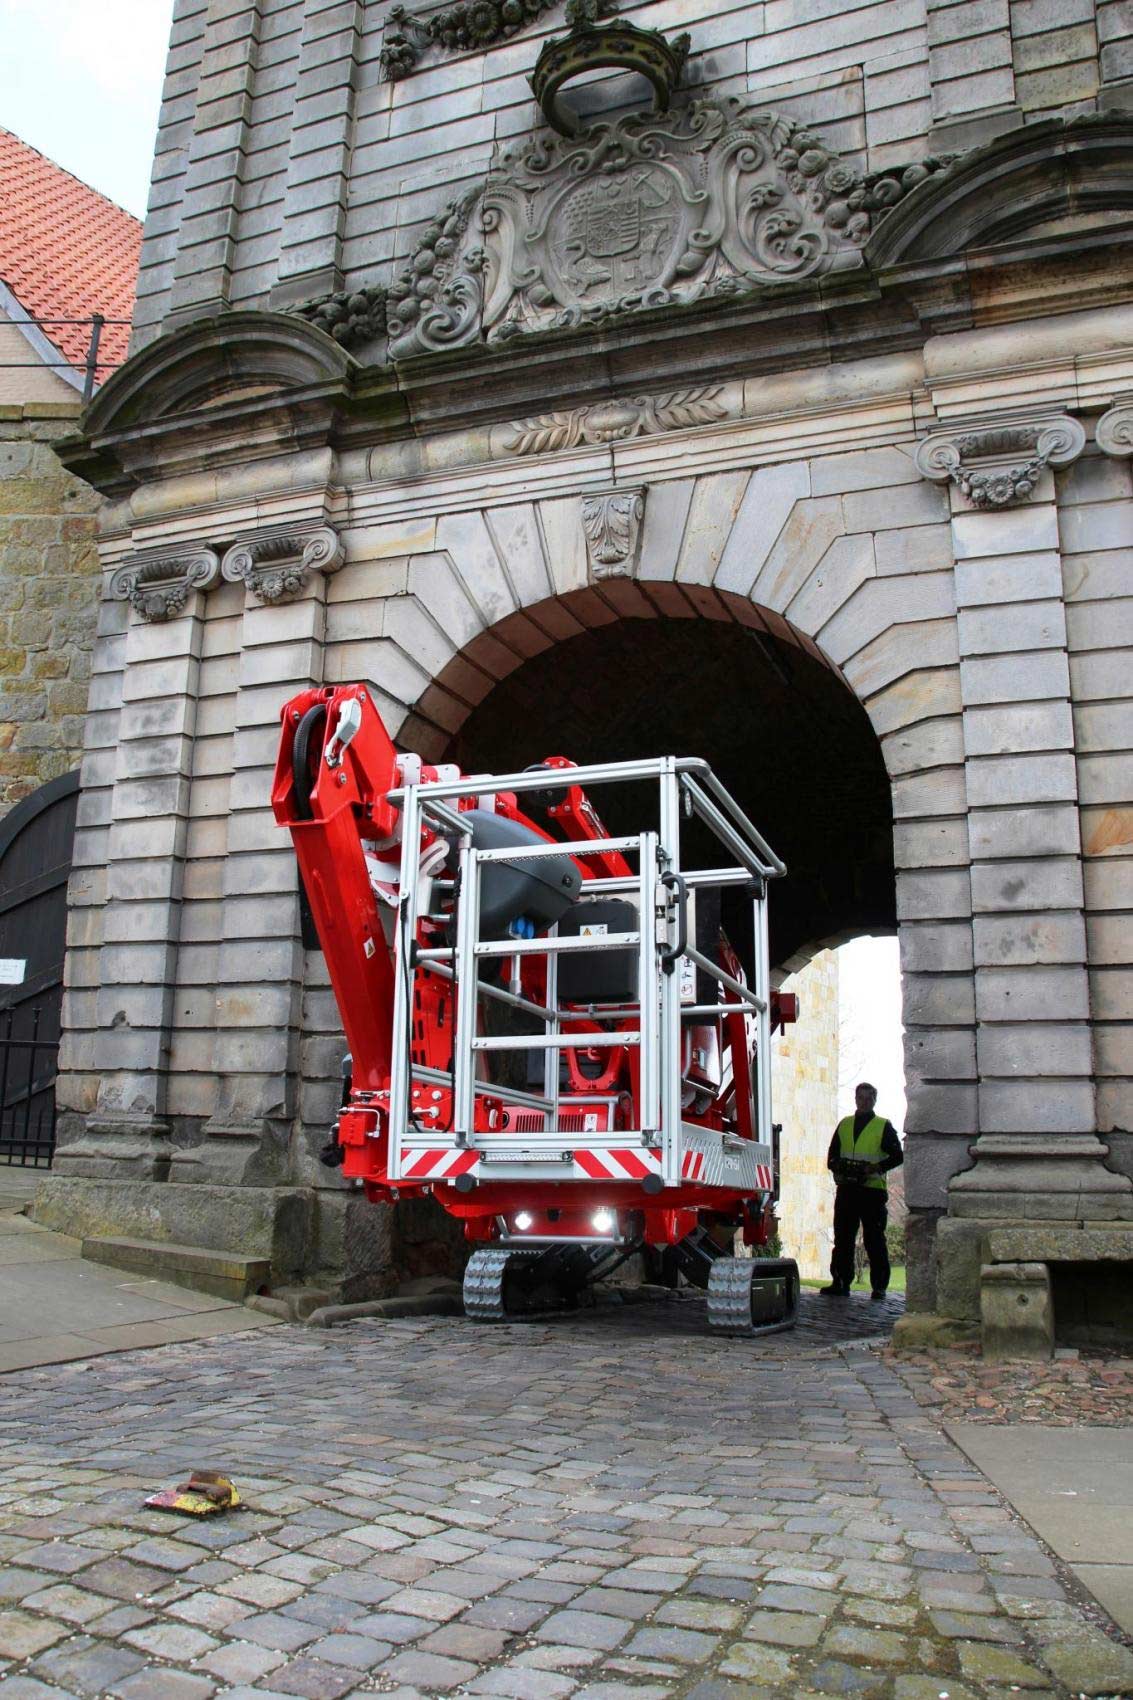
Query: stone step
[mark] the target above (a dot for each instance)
(225, 1274)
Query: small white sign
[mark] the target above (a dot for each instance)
(593, 930)
(688, 980)
(12, 970)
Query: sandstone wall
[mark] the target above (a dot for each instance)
(805, 1100)
(49, 592)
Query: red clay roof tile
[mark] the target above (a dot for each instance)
(66, 252)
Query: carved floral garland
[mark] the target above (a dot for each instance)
(467, 25)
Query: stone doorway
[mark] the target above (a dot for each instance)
(745, 689)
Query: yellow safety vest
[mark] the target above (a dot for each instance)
(866, 1148)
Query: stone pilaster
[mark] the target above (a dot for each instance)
(260, 967)
(202, 273)
(310, 248)
(1038, 1156)
(127, 1133)
(971, 73)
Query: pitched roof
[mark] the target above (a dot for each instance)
(66, 252)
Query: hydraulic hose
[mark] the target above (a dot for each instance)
(315, 718)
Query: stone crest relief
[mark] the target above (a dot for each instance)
(707, 202)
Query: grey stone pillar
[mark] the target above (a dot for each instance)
(202, 273)
(127, 1134)
(1038, 1157)
(260, 968)
(971, 72)
(310, 246)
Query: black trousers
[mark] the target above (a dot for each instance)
(860, 1207)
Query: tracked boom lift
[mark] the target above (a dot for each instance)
(549, 1030)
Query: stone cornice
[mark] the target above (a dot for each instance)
(997, 463)
(158, 583)
(276, 566)
(837, 320)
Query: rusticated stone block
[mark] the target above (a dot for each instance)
(49, 587)
(1016, 1310)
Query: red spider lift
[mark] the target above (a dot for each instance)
(549, 1031)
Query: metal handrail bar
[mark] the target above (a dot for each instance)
(486, 1089)
(711, 1009)
(445, 816)
(743, 992)
(725, 830)
(540, 779)
(512, 998)
(553, 1041)
(740, 819)
(552, 947)
(694, 878)
(581, 847)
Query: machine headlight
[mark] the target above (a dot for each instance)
(524, 1220)
(603, 1221)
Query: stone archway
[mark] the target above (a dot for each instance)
(744, 689)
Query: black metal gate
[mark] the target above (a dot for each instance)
(36, 840)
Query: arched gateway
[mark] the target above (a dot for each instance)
(829, 482)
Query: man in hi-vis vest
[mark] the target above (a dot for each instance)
(864, 1146)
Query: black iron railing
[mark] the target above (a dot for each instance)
(27, 1093)
(90, 367)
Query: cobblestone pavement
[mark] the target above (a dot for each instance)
(612, 1506)
(1087, 1391)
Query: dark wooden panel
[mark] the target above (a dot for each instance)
(36, 840)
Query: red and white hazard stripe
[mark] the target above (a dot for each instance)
(444, 1163)
(693, 1165)
(763, 1177)
(628, 1165)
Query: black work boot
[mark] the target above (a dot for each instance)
(834, 1291)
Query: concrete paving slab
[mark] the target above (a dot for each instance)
(1074, 1486)
(18, 1185)
(1112, 1586)
(57, 1307)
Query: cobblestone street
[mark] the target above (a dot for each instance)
(608, 1505)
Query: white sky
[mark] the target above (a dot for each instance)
(869, 1026)
(81, 81)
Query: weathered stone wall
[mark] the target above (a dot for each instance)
(332, 172)
(805, 1100)
(49, 592)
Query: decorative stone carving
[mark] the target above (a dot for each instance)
(157, 586)
(276, 565)
(436, 302)
(612, 421)
(1115, 428)
(349, 315)
(468, 26)
(592, 46)
(707, 203)
(611, 521)
(997, 464)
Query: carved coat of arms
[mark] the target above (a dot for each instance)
(616, 234)
(708, 201)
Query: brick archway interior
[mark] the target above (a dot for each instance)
(778, 723)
